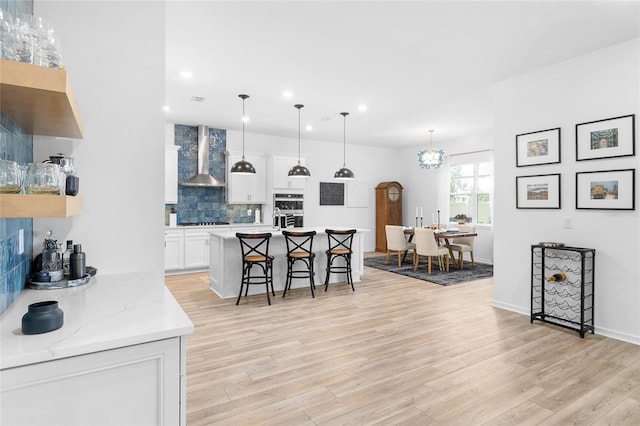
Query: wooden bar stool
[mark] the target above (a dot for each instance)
(300, 249)
(340, 241)
(255, 252)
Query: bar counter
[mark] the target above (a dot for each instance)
(225, 268)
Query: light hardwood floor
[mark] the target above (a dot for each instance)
(396, 351)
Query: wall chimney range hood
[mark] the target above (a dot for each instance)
(203, 178)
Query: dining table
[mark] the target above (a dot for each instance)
(443, 237)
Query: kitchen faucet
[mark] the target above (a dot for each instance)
(276, 211)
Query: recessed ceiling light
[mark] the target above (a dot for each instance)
(287, 93)
(166, 108)
(308, 128)
(186, 74)
(362, 107)
(245, 119)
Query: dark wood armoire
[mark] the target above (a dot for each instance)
(388, 210)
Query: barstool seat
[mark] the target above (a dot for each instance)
(300, 250)
(255, 252)
(340, 241)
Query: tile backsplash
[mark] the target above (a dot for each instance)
(15, 264)
(196, 204)
(15, 145)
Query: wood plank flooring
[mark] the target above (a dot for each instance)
(395, 351)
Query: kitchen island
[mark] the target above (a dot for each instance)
(119, 357)
(225, 267)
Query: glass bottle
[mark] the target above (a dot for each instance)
(66, 258)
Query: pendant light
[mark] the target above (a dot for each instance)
(344, 173)
(299, 170)
(243, 167)
(431, 158)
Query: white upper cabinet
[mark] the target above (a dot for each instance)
(171, 174)
(170, 165)
(280, 166)
(247, 189)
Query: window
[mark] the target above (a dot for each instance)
(471, 187)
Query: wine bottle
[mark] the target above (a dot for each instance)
(557, 277)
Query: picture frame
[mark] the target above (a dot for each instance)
(536, 148)
(606, 190)
(606, 138)
(538, 191)
(331, 193)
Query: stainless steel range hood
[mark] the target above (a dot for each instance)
(203, 178)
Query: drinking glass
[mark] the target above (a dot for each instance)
(7, 36)
(9, 177)
(43, 178)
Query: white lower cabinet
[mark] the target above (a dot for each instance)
(196, 249)
(142, 384)
(173, 249)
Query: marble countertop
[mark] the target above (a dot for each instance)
(109, 312)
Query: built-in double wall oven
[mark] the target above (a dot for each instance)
(291, 209)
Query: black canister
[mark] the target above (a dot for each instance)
(78, 262)
(42, 317)
(72, 185)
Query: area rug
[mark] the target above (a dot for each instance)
(454, 276)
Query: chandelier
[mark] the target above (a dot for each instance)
(431, 158)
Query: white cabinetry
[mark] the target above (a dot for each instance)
(196, 248)
(173, 249)
(138, 384)
(280, 166)
(171, 174)
(247, 189)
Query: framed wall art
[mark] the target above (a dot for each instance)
(331, 193)
(541, 147)
(538, 192)
(610, 137)
(606, 190)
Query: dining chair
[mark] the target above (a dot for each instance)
(397, 242)
(426, 245)
(299, 250)
(340, 241)
(255, 252)
(464, 244)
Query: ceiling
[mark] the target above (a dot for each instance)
(415, 65)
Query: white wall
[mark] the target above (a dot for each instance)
(370, 165)
(428, 188)
(114, 54)
(594, 86)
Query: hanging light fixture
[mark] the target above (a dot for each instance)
(243, 167)
(344, 173)
(299, 170)
(431, 158)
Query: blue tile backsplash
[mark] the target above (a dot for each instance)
(204, 204)
(17, 146)
(15, 267)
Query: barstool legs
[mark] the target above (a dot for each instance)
(331, 268)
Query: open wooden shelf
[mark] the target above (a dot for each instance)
(39, 205)
(39, 100)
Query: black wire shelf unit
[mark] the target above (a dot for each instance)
(568, 302)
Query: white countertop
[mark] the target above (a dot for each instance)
(210, 227)
(111, 311)
(275, 232)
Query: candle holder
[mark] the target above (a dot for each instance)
(421, 223)
(416, 221)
